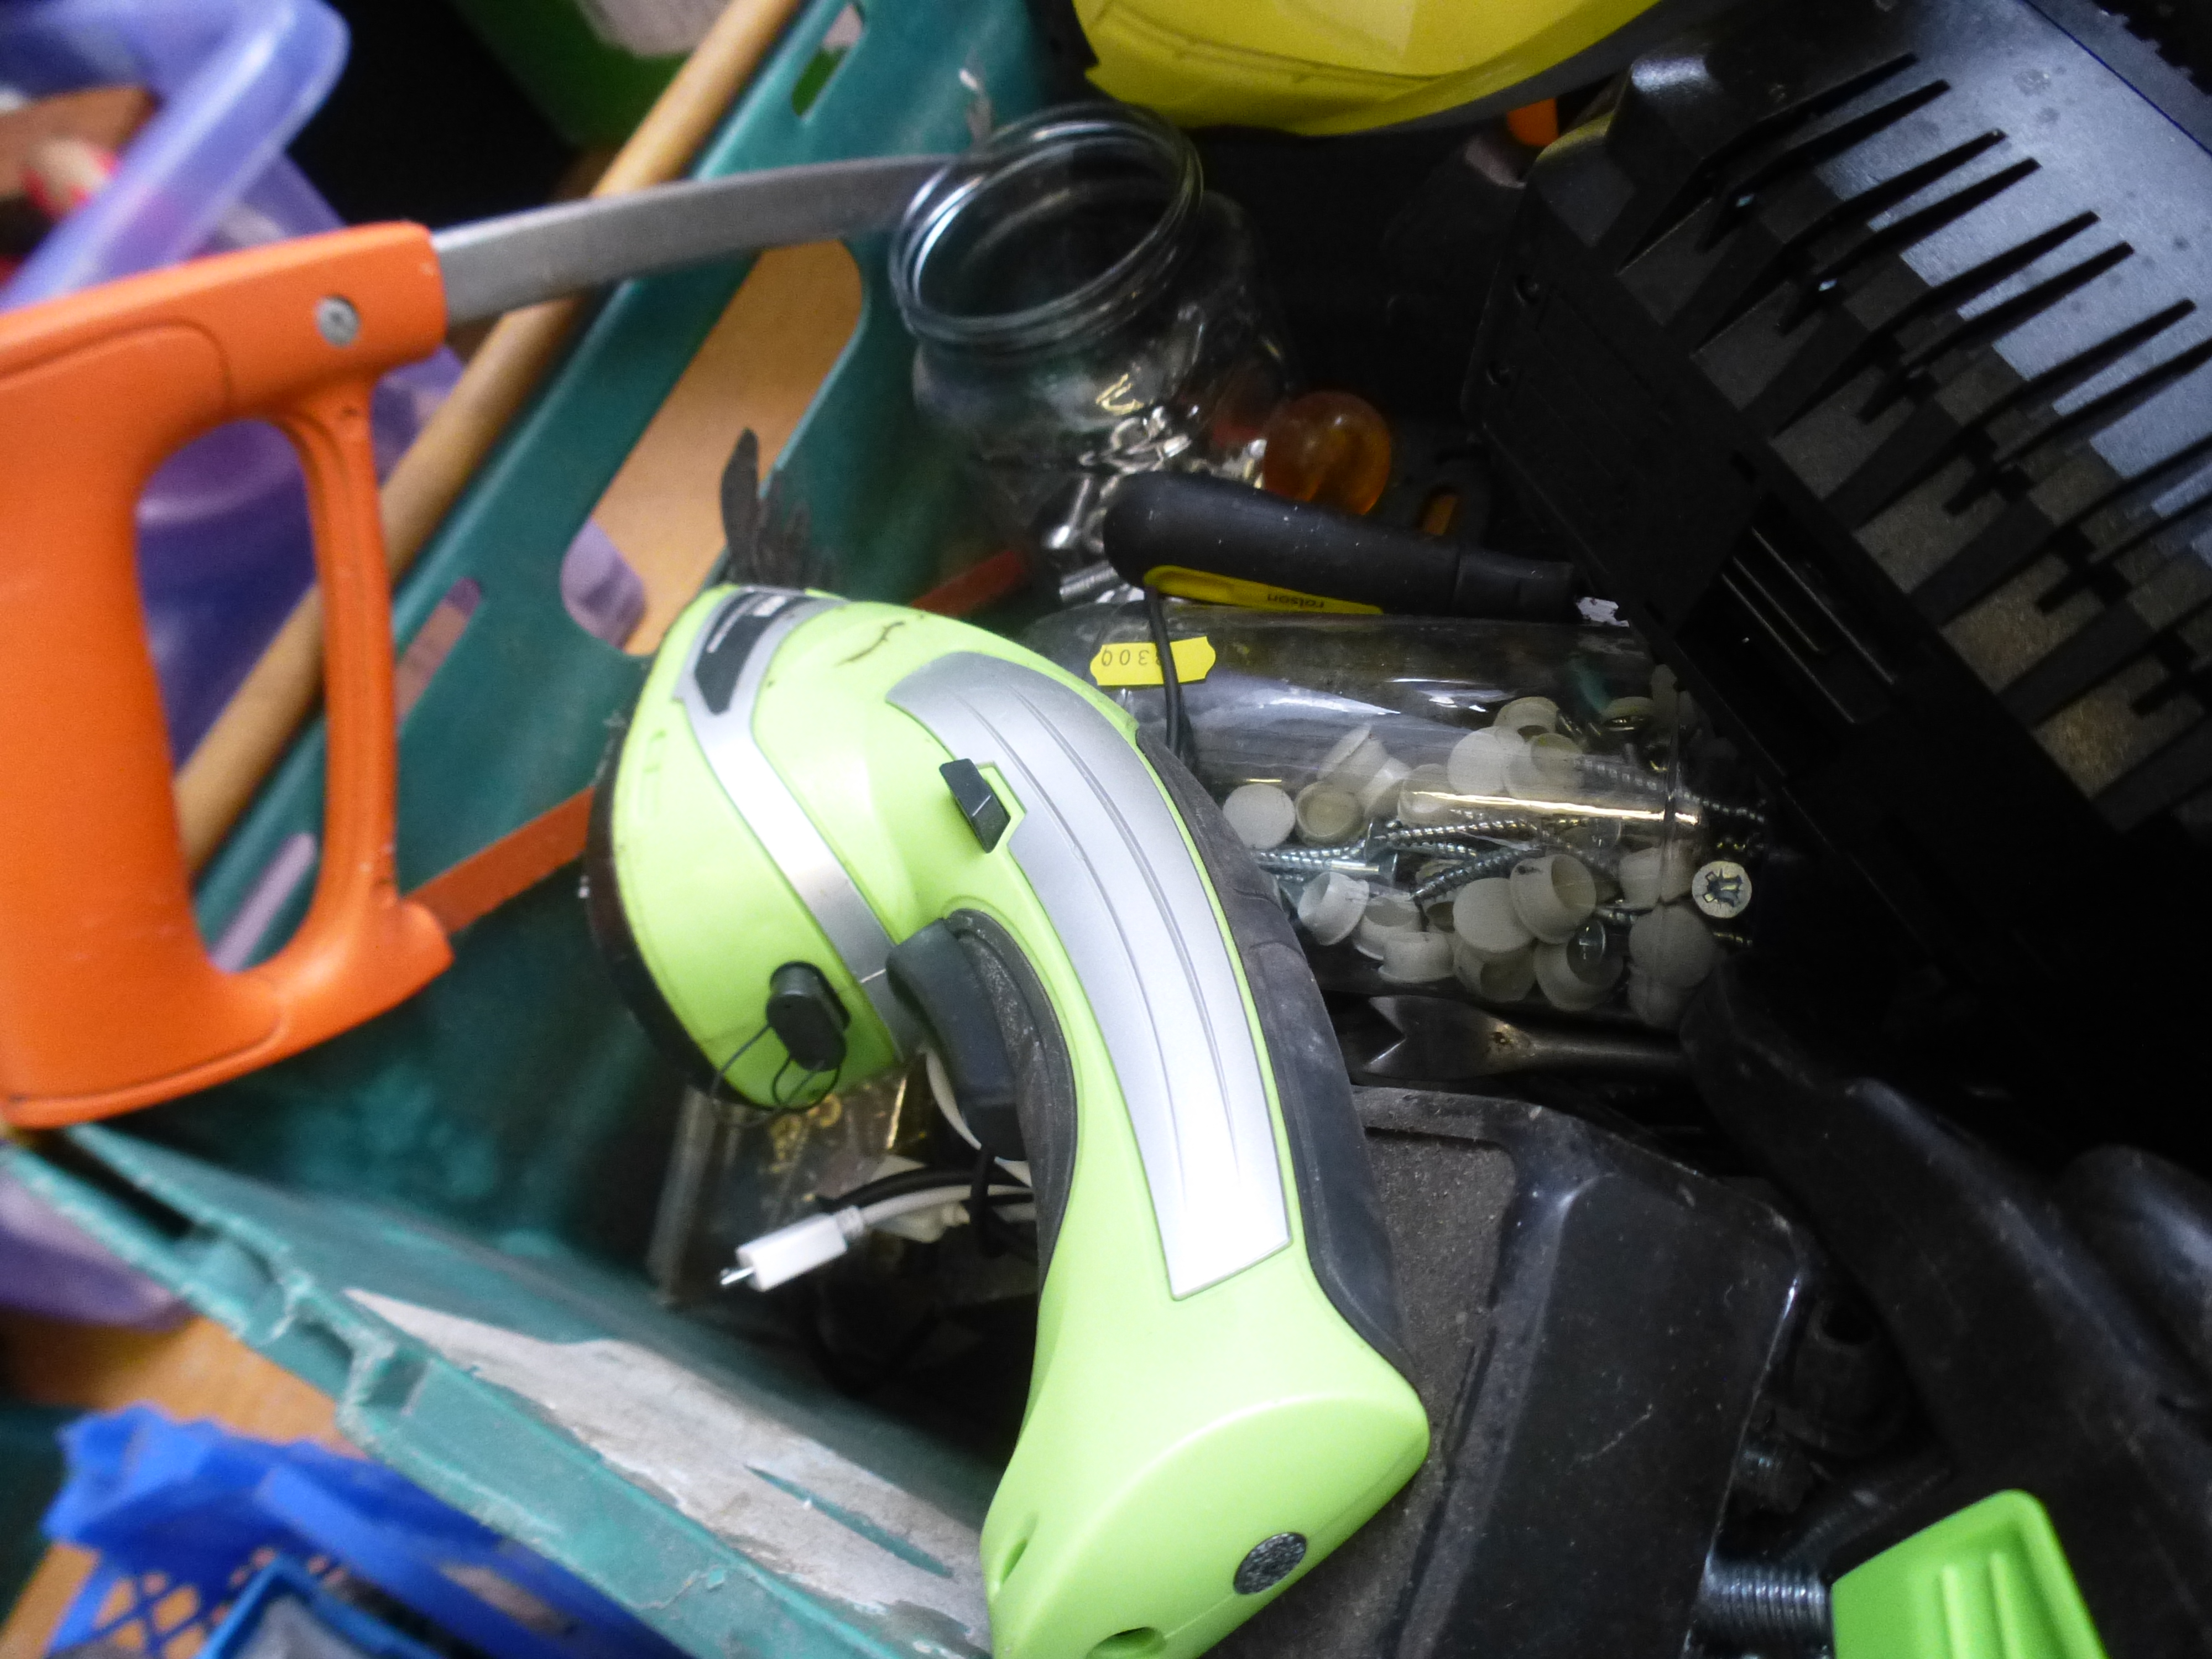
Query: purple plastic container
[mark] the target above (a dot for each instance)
(223, 545)
(51, 1266)
(236, 79)
(224, 548)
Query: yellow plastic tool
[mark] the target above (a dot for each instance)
(1333, 66)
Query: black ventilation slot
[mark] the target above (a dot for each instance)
(1704, 185)
(2185, 673)
(1979, 333)
(1993, 461)
(1915, 228)
(1831, 361)
(1796, 728)
(1938, 431)
(1782, 585)
(2085, 573)
(1805, 662)
(2129, 394)
(2097, 569)
(1795, 260)
(1740, 202)
(2113, 642)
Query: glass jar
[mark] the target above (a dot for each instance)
(1521, 814)
(1085, 309)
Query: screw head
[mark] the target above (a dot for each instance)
(1721, 889)
(1588, 947)
(1269, 1562)
(337, 320)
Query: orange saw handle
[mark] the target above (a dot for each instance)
(107, 999)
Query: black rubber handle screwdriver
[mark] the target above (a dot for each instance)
(1207, 538)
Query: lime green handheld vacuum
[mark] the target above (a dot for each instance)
(838, 833)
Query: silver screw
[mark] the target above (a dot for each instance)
(1496, 861)
(1446, 836)
(1589, 946)
(1316, 860)
(1763, 1605)
(336, 320)
(1721, 889)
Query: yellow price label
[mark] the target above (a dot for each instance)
(1136, 663)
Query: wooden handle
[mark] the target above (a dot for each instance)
(258, 725)
(108, 998)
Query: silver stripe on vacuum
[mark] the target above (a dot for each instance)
(1106, 854)
(765, 802)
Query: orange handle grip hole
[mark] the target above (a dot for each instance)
(107, 999)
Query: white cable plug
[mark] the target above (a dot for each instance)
(775, 1258)
(779, 1257)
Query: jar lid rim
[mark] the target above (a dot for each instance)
(1033, 141)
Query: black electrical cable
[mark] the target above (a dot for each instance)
(921, 1181)
(793, 1104)
(994, 1234)
(990, 1239)
(1180, 743)
(722, 1072)
(777, 1101)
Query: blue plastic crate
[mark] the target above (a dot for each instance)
(187, 1519)
(284, 1581)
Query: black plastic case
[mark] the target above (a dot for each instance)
(1861, 352)
(1592, 1329)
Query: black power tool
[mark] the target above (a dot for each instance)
(1862, 350)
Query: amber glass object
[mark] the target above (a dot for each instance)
(1328, 447)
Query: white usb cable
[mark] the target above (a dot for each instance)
(776, 1258)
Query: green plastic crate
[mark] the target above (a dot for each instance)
(31, 1470)
(441, 1218)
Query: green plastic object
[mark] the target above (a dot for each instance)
(441, 1218)
(591, 89)
(31, 1471)
(1989, 1582)
(1168, 1436)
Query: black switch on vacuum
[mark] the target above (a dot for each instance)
(807, 1018)
(986, 813)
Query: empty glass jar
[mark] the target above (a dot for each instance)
(1085, 309)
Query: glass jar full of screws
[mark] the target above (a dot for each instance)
(1515, 813)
